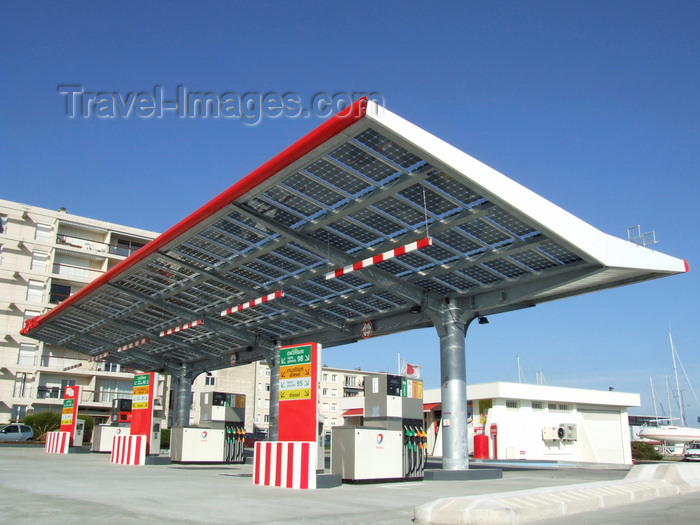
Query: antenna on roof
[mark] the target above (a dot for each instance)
(635, 235)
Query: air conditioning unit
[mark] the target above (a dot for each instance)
(569, 431)
(550, 433)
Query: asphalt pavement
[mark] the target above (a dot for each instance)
(36, 487)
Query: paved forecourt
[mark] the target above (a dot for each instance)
(36, 487)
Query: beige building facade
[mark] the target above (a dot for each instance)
(45, 256)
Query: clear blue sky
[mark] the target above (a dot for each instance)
(594, 105)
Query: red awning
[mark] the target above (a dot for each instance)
(353, 412)
(427, 407)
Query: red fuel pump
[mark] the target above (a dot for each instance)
(494, 435)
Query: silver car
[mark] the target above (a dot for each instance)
(16, 432)
(692, 452)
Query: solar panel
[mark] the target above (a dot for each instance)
(371, 185)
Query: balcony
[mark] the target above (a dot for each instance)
(82, 244)
(64, 364)
(75, 272)
(101, 399)
(122, 248)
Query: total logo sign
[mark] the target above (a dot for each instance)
(119, 431)
(205, 434)
(380, 440)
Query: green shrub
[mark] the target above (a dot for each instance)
(644, 451)
(43, 422)
(164, 438)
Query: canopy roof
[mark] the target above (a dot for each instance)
(363, 183)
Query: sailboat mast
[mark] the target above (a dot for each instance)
(668, 400)
(653, 398)
(678, 386)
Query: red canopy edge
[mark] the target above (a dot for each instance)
(306, 144)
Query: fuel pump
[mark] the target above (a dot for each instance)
(415, 452)
(392, 444)
(220, 436)
(234, 442)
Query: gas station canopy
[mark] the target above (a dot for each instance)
(261, 264)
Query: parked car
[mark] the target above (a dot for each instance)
(250, 439)
(692, 452)
(16, 432)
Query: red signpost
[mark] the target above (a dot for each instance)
(69, 413)
(298, 392)
(142, 406)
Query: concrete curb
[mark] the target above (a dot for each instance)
(642, 483)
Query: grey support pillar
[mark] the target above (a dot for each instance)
(452, 331)
(183, 393)
(272, 356)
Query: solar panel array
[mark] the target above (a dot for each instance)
(367, 195)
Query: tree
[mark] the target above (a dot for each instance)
(43, 422)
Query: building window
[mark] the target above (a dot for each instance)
(42, 233)
(325, 407)
(267, 387)
(553, 407)
(35, 291)
(334, 407)
(324, 392)
(537, 405)
(334, 392)
(0, 253)
(26, 354)
(334, 378)
(125, 247)
(209, 380)
(3, 223)
(325, 377)
(111, 367)
(58, 293)
(20, 389)
(511, 404)
(18, 412)
(39, 260)
(110, 389)
(266, 418)
(30, 314)
(267, 372)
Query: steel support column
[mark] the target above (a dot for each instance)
(183, 392)
(272, 356)
(453, 372)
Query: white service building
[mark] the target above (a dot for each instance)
(523, 421)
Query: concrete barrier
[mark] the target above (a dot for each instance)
(287, 464)
(57, 442)
(642, 483)
(129, 450)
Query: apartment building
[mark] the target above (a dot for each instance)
(45, 256)
(335, 384)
